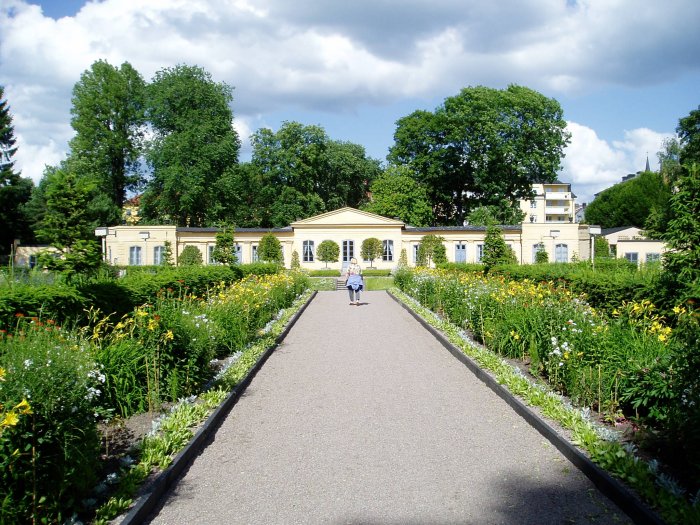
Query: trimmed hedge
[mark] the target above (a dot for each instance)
(69, 303)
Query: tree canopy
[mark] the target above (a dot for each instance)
(481, 147)
(371, 249)
(15, 190)
(396, 194)
(629, 203)
(108, 117)
(194, 144)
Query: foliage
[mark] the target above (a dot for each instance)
(302, 172)
(225, 249)
(653, 485)
(481, 147)
(431, 250)
(328, 251)
(688, 131)
(167, 254)
(682, 261)
(403, 259)
(505, 212)
(190, 256)
(108, 119)
(15, 191)
(270, 249)
(371, 249)
(601, 247)
(194, 143)
(629, 203)
(496, 251)
(396, 194)
(541, 256)
(296, 264)
(49, 458)
(73, 208)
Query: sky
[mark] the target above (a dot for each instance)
(624, 71)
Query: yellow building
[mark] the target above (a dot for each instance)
(348, 227)
(629, 242)
(553, 202)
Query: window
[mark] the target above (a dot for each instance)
(533, 218)
(533, 204)
(415, 253)
(388, 250)
(479, 252)
(239, 253)
(255, 253)
(536, 248)
(653, 257)
(135, 256)
(158, 254)
(210, 253)
(33, 260)
(632, 257)
(460, 252)
(561, 253)
(308, 250)
(348, 250)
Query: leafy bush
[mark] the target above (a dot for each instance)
(58, 302)
(324, 273)
(373, 272)
(190, 256)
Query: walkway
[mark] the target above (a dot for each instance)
(362, 417)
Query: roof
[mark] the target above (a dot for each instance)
(188, 229)
(347, 217)
(467, 228)
(608, 231)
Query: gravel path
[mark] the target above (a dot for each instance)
(361, 416)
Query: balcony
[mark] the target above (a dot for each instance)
(557, 210)
(557, 195)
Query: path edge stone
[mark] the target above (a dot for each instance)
(149, 500)
(611, 487)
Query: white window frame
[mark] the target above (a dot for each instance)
(536, 248)
(254, 252)
(387, 250)
(653, 257)
(632, 257)
(238, 251)
(479, 252)
(307, 249)
(460, 252)
(158, 255)
(348, 249)
(558, 252)
(135, 256)
(415, 253)
(210, 254)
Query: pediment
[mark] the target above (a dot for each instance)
(346, 217)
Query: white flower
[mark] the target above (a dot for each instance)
(28, 363)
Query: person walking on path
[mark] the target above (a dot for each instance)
(354, 282)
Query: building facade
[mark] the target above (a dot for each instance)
(563, 240)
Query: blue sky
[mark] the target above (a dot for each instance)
(624, 72)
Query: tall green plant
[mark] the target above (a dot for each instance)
(496, 251)
(328, 251)
(224, 251)
(270, 249)
(371, 249)
(431, 250)
(190, 256)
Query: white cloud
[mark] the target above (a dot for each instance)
(336, 57)
(592, 164)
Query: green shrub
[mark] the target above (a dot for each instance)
(324, 273)
(373, 272)
(58, 302)
(190, 256)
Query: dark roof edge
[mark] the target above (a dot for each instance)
(213, 229)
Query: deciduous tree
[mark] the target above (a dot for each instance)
(108, 117)
(328, 251)
(396, 194)
(481, 147)
(496, 251)
(371, 249)
(224, 249)
(194, 143)
(431, 250)
(270, 249)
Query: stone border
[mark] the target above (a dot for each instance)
(609, 486)
(150, 500)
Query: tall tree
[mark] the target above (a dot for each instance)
(689, 134)
(306, 160)
(108, 119)
(15, 190)
(396, 194)
(194, 143)
(481, 147)
(496, 251)
(630, 203)
(371, 249)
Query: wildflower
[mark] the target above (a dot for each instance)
(19, 314)
(169, 335)
(2, 373)
(10, 420)
(515, 335)
(28, 363)
(23, 407)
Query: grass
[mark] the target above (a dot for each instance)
(378, 283)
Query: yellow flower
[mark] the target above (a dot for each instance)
(23, 407)
(2, 374)
(152, 324)
(515, 335)
(10, 420)
(169, 335)
(663, 338)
